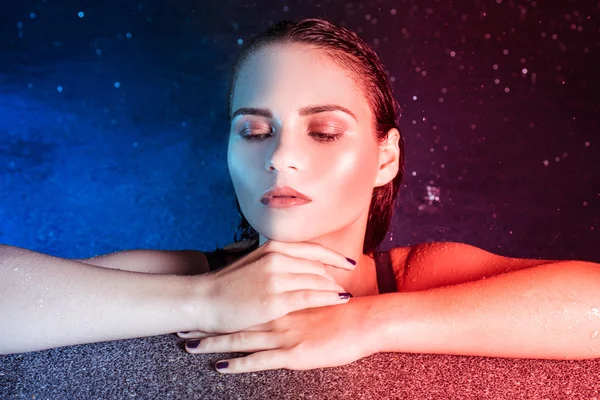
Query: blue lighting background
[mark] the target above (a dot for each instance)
(113, 121)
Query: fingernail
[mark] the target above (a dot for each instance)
(222, 364)
(345, 296)
(351, 261)
(193, 343)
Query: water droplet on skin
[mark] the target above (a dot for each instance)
(594, 334)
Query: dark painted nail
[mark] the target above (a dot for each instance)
(222, 364)
(351, 261)
(192, 343)
(345, 296)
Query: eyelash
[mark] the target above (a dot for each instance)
(325, 138)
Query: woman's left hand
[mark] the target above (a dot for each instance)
(307, 339)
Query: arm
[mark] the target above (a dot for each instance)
(49, 302)
(178, 262)
(549, 311)
(437, 264)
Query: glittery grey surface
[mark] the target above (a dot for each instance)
(111, 117)
(158, 368)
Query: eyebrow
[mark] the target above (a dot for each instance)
(304, 111)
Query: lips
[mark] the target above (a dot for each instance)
(284, 202)
(284, 192)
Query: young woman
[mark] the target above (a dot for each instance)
(316, 159)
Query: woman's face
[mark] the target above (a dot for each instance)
(338, 175)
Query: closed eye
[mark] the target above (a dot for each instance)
(319, 137)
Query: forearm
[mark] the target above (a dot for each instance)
(550, 311)
(51, 302)
(179, 262)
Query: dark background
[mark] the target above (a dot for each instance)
(512, 167)
(96, 168)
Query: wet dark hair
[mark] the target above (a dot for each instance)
(350, 52)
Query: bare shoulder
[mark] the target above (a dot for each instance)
(436, 264)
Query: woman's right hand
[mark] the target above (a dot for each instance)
(276, 279)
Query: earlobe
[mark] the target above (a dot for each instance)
(386, 175)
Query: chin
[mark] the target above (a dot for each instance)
(286, 237)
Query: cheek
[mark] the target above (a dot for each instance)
(239, 167)
(352, 172)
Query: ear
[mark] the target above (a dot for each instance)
(389, 158)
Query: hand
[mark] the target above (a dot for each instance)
(306, 339)
(270, 282)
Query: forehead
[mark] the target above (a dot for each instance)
(286, 77)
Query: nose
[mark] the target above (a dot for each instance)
(286, 153)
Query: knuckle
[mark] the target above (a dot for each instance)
(305, 296)
(241, 337)
(262, 359)
(272, 260)
(273, 284)
(271, 306)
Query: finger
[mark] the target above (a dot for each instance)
(311, 251)
(244, 341)
(261, 361)
(201, 334)
(295, 265)
(302, 299)
(291, 282)
(195, 334)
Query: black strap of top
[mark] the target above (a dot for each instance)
(220, 258)
(216, 259)
(386, 279)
